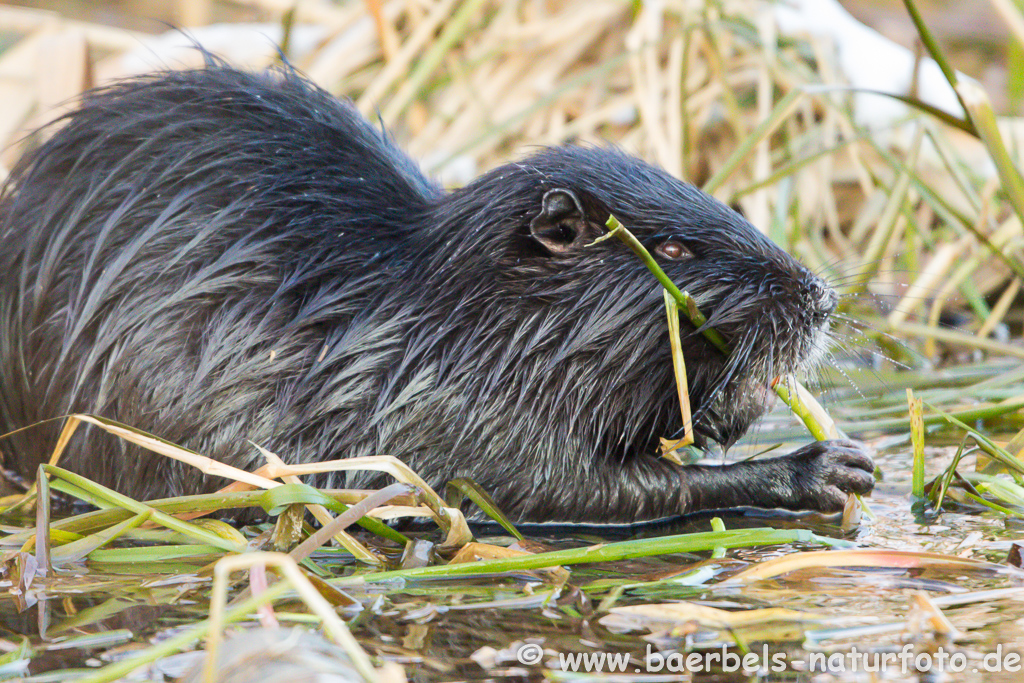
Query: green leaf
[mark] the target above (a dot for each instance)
(459, 488)
(277, 499)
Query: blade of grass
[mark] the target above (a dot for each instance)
(917, 439)
(454, 29)
(607, 552)
(276, 500)
(76, 550)
(286, 521)
(1007, 460)
(42, 537)
(162, 553)
(932, 46)
(806, 408)
(979, 108)
(780, 113)
(127, 503)
(941, 114)
(462, 487)
(946, 478)
(679, 367)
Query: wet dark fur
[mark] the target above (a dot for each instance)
(219, 257)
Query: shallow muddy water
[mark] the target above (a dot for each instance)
(481, 628)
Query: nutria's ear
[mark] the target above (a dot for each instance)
(560, 221)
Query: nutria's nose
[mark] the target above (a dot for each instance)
(820, 297)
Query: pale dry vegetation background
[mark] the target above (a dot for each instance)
(911, 214)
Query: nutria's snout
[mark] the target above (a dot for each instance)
(819, 304)
(821, 299)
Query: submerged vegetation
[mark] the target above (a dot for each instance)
(918, 222)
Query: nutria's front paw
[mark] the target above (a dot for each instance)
(827, 472)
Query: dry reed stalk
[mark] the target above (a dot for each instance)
(194, 12)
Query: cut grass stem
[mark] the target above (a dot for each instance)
(799, 400)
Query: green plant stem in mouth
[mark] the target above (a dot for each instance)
(792, 393)
(683, 299)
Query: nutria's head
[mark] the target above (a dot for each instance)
(592, 315)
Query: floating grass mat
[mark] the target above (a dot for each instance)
(132, 553)
(177, 554)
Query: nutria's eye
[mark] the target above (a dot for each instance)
(673, 250)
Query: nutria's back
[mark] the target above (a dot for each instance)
(219, 257)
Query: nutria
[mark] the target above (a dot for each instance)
(218, 257)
